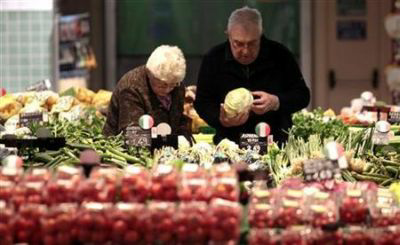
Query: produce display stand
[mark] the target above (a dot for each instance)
(41, 143)
(48, 143)
(161, 186)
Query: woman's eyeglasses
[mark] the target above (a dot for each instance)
(164, 85)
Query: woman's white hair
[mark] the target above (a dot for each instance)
(245, 17)
(167, 63)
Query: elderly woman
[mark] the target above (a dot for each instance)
(154, 89)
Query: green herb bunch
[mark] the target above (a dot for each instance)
(309, 123)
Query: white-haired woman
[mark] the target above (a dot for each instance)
(155, 89)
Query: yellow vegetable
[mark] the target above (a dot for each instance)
(85, 95)
(101, 98)
(329, 113)
(8, 107)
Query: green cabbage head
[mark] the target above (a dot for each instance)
(237, 101)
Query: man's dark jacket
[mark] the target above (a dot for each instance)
(275, 71)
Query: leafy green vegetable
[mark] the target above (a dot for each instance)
(309, 123)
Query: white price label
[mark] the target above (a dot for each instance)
(164, 169)
(190, 167)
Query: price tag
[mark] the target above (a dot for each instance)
(41, 85)
(26, 119)
(378, 112)
(354, 193)
(385, 200)
(9, 171)
(384, 192)
(136, 136)
(321, 195)
(196, 182)
(39, 171)
(320, 170)
(290, 203)
(164, 169)
(64, 183)
(189, 167)
(254, 142)
(262, 193)
(394, 117)
(222, 168)
(133, 169)
(34, 185)
(227, 181)
(319, 208)
(6, 184)
(381, 134)
(68, 170)
(263, 206)
(295, 193)
(124, 206)
(94, 206)
(163, 141)
(270, 139)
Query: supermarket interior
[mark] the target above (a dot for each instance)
(215, 122)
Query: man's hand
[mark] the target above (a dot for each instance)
(234, 121)
(264, 102)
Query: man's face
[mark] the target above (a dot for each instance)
(245, 43)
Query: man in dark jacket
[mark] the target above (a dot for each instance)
(248, 59)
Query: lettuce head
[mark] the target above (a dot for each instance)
(237, 101)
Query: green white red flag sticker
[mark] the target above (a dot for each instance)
(263, 129)
(146, 122)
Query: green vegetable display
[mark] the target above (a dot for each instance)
(84, 134)
(315, 123)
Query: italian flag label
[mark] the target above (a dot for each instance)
(146, 122)
(262, 129)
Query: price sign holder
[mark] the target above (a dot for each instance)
(315, 170)
(164, 140)
(382, 111)
(136, 136)
(394, 117)
(49, 143)
(254, 142)
(26, 119)
(381, 134)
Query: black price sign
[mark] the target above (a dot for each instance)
(381, 112)
(320, 170)
(162, 141)
(254, 142)
(26, 119)
(136, 136)
(394, 117)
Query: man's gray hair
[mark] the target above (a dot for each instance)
(245, 17)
